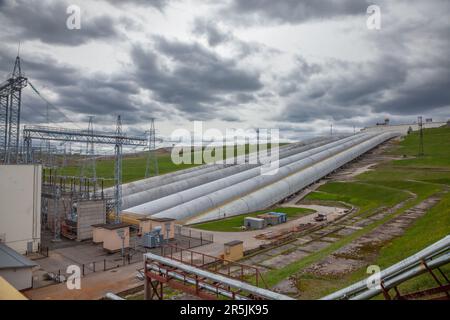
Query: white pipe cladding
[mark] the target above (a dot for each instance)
(130, 189)
(198, 190)
(138, 201)
(265, 195)
(140, 185)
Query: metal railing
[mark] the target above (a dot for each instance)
(217, 265)
(194, 234)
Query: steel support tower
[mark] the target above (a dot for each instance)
(152, 160)
(88, 167)
(118, 139)
(10, 104)
(118, 170)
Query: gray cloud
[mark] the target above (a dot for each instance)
(195, 80)
(292, 11)
(404, 77)
(46, 21)
(407, 73)
(211, 31)
(81, 93)
(157, 4)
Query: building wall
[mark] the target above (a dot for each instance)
(98, 235)
(20, 278)
(234, 253)
(89, 213)
(112, 242)
(20, 206)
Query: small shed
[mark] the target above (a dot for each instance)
(167, 226)
(15, 268)
(98, 233)
(113, 236)
(233, 250)
(254, 223)
(273, 218)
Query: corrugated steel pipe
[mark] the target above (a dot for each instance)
(174, 189)
(175, 199)
(231, 200)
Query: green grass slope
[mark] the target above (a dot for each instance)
(234, 223)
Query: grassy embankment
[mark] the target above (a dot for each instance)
(389, 184)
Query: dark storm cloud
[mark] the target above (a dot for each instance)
(404, 78)
(46, 21)
(357, 90)
(431, 95)
(194, 79)
(104, 96)
(292, 11)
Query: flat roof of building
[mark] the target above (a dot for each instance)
(162, 219)
(10, 258)
(233, 243)
(111, 226)
(253, 219)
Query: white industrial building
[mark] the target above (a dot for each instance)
(20, 207)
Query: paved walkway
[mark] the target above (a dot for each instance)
(248, 237)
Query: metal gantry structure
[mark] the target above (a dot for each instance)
(118, 139)
(10, 104)
(88, 167)
(152, 161)
(118, 170)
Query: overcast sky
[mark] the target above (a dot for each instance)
(289, 64)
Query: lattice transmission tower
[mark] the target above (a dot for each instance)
(10, 104)
(152, 161)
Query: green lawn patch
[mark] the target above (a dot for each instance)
(386, 185)
(363, 195)
(234, 223)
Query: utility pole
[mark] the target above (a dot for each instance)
(10, 105)
(88, 168)
(331, 129)
(420, 123)
(118, 169)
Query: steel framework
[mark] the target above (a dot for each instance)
(118, 139)
(152, 161)
(10, 104)
(431, 258)
(88, 166)
(205, 276)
